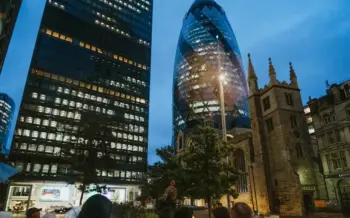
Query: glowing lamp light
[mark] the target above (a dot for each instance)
(222, 77)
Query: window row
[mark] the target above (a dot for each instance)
(56, 151)
(66, 127)
(66, 169)
(52, 111)
(68, 91)
(120, 174)
(87, 86)
(67, 138)
(333, 136)
(56, 4)
(336, 160)
(95, 48)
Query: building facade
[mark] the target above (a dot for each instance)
(208, 48)
(7, 107)
(331, 120)
(8, 15)
(282, 172)
(91, 61)
(282, 146)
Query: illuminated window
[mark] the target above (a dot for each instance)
(77, 116)
(55, 112)
(63, 37)
(42, 97)
(59, 89)
(87, 46)
(36, 168)
(54, 169)
(37, 121)
(48, 110)
(53, 123)
(46, 122)
(35, 134)
(99, 99)
(69, 39)
(46, 168)
(26, 132)
(65, 102)
(66, 91)
(29, 120)
(41, 148)
(58, 101)
(63, 114)
(93, 48)
(79, 105)
(70, 115)
(81, 44)
(52, 136)
(72, 104)
(43, 135)
(80, 94)
(49, 32)
(35, 95)
(55, 34)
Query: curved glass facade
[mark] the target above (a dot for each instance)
(207, 48)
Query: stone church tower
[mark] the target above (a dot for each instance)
(283, 154)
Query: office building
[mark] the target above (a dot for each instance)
(207, 49)
(7, 107)
(91, 61)
(8, 15)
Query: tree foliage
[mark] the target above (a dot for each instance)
(211, 175)
(89, 152)
(202, 172)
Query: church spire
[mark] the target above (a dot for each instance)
(272, 73)
(252, 78)
(293, 76)
(251, 71)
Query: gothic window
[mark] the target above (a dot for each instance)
(269, 125)
(266, 103)
(293, 121)
(239, 164)
(289, 99)
(181, 146)
(348, 111)
(299, 150)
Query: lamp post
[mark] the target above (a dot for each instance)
(221, 80)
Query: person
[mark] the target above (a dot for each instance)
(183, 212)
(221, 212)
(241, 210)
(168, 204)
(97, 206)
(219, 204)
(170, 193)
(33, 212)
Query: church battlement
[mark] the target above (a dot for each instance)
(253, 79)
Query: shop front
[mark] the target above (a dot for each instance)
(57, 196)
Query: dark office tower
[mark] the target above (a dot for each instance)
(207, 48)
(91, 62)
(7, 106)
(8, 15)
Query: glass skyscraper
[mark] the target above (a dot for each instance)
(207, 48)
(91, 57)
(8, 15)
(7, 107)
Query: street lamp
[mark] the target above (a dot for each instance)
(221, 80)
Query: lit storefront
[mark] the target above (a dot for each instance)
(51, 196)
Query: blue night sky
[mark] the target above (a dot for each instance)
(312, 34)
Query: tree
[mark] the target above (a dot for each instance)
(210, 176)
(162, 172)
(90, 152)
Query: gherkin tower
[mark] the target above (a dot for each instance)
(207, 48)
